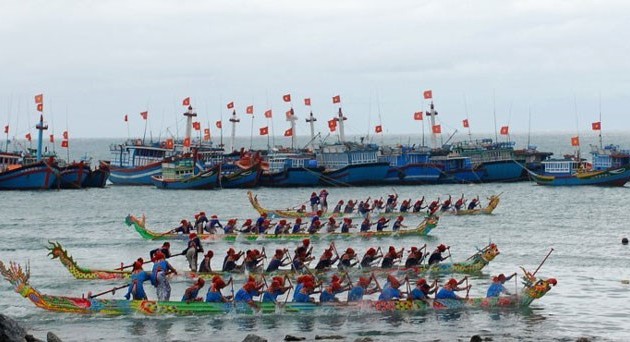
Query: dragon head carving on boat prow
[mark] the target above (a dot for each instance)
(16, 275)
(487, 254)
(536, 287)
(130, 219)
(56, 251)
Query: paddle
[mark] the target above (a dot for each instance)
(542, 262)
(467, 287)
(289, 290)
(113, 291)
(376, 282)
(144, 262)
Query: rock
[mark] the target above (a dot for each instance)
(254, 338)
(583, 339)
(475, 338)
(294, 338)
(10, 330)
(50, 337)
(331, 337)
(31, 338)
(365, 339)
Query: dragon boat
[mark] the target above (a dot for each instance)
(422, 229)
(473, 264)
(293, 214)
(533, 288)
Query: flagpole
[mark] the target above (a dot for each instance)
(467, 118)
(221, 121)
(67, 129)
(494, 113)
(601, 146)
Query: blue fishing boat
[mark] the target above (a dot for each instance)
(532, 159)
(72, 175)
(409, 165)
(290, 170)
(455, 169)
(186, 173)
(240, 175)
(349, 163)
(494, 161)
(133, 162)
(97, 178)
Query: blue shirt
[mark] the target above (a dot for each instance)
(389, 293)
(296, 228)
(138, 279)
(396, 225)
(214, 297)
(161, 265)
(297, 290)
(495, 290)
(365, 227)
(271, 297)
(356, 293)
(326, 296)
(345, 228)
(278, 229)
(381, 225)
(190, 295)
(274, 264)
(446, 294)
(417, 294)
(301, 297)
(244, 296)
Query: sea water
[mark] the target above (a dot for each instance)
(584, 226)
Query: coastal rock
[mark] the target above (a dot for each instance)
(294, 338)
(10, 330)
(475, 338)
(330, 337)
(31, 338)
(254, 338)
(583, 339)
(365, 339)
(50, 337)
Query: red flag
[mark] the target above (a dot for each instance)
(288, 132)
(465, 123)
(230, 105)
(186, 102)
(6, 129)
(28, 136)
(307, 102)
(196, 125)
(332, 125)
(40, 107)
(575, 141)
(219, 125)
(505, 130)
(64, 143)
(186, 142)
(169, 143)
(417, 116)
(145, 115)
(336, 99)
(65, 135)
(126, 118)
(52, 138)
(378, 129)
(597, 126)
(286, 98)
(39, 98)
(268, 114)
(437, 129)
(249, 110)
(428, 94)
(264, 130)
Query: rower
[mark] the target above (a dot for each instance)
(381, 224)
(304, 248)
(281, 227)
(206, 266)
(200, 222)
(211, 226)
(415, 257)
(230, 226)
(161, 268)
(330, 292)
(214, 294)
(297, 227)
(278, 260)
(436, 256)
(347, 224)
(326, 261)
(404, 206)
(229, 263)
(346, 259)
(361, 289)
(305, 292)
(363, 209)
(252, 260)
(390, 289)
(349, 208)
(370, 257)
(497, 288)
(459, 203)
(265, 226)
(315, 226)
(473, 203)
(377, 206)
(398, 224)
(247, 293)
(390, 258)
(193, 248)
(418, 205)
(323, 200)
(447, 204)
(165, 249)
(274, 290)
(190, 295)
(299, 284)
(136, 287)
(366, 225)
(337, 209)
(423, 290)
(448, 290)
(332, 225)
(314, 200)
(258, 227)
(302, 209)
(391, 203)
(433, 207)
(247, 226)
(184, 228)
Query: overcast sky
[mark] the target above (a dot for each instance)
(96, 61)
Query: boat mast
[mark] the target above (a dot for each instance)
(311, 121)
(291, 118)
(601, 146)
(467, 118)
(233, 120)
(189, 114)
(494, 113)
(529, 126)
(340, 118)
(40, 127)
(433, 113)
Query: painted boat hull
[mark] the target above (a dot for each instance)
(206, 180)
(613, 177)
(423, 229)
(97, 178)
(358, 174)
(422, 173)
(500, 171)
(292, 177)
(241, 178)
(73, 176)
(34, 176)
(135, 175)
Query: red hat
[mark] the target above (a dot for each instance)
(314, 194)
(196, 216)
(249, 286)
(308, 284)
(319, 213)
(452, 282)
(159, 255)
(382, 219)
(192, 235)
(327, 253)
(202, 213)
(298, 220)
(251, 278)
(331, 219)
(414, 249)
(340, 202)
(552, 281)
(335, 286)
(371, 251)
(219, 283)
(263, 214)
(441, 248)
(248, 221)
(231, 251)
(279, 252)
(250, 253)
(495, 279)
(400, 218)
(278, 278)
(137, 265)
(306, 242)
(201, 282)
(392, 249)
(350, 251)
(140, 260)
(166, 244)
(232, 221)
(421, 281)
(303, 278)
(364, 281)
(501, 277)
(183, 222)
(209, 254)
(283, 221)
(334, 278)
(213, 216)
(393, 281)
(275, 284)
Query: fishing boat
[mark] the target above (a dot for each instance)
(533, 288)
(422, 229)
(409, 165)
(97, 178)
(240, 175)
(72, 175)
(134, 161)
(290, 170)
(473, 264)
(494, 161)
(454, 169)
(185, 172)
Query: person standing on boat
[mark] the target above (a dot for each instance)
(473, 203)
(165, 249)
(347, 224)
(190, 295)
(297, 227)
(446, 205)
(211, 226)
(184, 228)
(370, 257)
(345, 261)
(214, 294)
(161, 269)
(436, 256)
(206, 266)
(390, 290)
(136, 287)
(391, 257)
(200, 222)
(448, 290)
(229, 263)
(326, 261)
(497, 288)
(357, 292)
(278, 260)
(381, 224)
(314, 200)
(398, 224)
(323, 200)
(459, 203)
(337, 209)
(418, 205)
(193, 249)
(423, 290)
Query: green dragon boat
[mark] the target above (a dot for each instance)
(473, 264)
(422, 229)
(533, 288)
